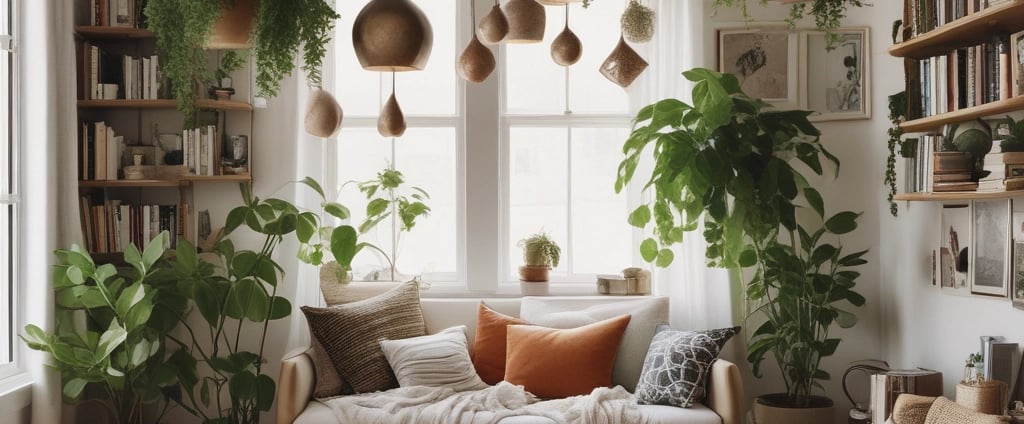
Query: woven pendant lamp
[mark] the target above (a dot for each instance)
(566, 49)
(526, 21)
(323, 114)
(477, 61)
(392, 35)
(623, 65)
(494, 27)
(391, 122)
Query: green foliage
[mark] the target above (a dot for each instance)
(540, 250)
(897, 108)
(724, 163)
(1013, 142)
(386, 199)
(828, 14)
(283, 28)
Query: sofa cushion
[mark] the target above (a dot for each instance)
(945, 411)
(351, 334)
(328, 382)
(489, 345)
(646, 314)
(664, 414)
(677, 365)
(554, 363)
(440, 359)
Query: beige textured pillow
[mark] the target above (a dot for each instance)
(328, 382)
(436, 360)
(945, 411)
(351, 334)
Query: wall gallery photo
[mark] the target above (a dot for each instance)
(838, 88)
(765, 62)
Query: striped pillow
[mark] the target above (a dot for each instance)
(437, 360)
(351, 334)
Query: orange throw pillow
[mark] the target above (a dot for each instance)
(552, 363)
(489, 344)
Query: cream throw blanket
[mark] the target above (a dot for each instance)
(429, 405)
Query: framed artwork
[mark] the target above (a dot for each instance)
(1017, 250)
(952, 255)
(765, 62)
(838, 81)
(1017, 64)
(990, 247)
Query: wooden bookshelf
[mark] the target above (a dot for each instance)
(935, 122)
(967, 31)
(130, 183)
(109, 32)
(957, 195)
(242, 178)
(210, 104)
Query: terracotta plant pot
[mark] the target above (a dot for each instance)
(770, 409)
(533, 273)
(231, 30)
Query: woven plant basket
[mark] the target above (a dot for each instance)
(987, 397)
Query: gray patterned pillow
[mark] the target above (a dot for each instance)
(677, 365)
(351, 334)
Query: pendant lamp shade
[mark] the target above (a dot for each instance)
(623, 65)
(494, 27)
(526, 21)
(323, 114)
(392, 35)
(566, 49)
(476, 62)
(391, 122)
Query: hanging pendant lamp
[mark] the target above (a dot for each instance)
(391, 122)
(623, 65)
(476, 61)
(392, 35)
(567, 48)
(526, 21)
(323, 114)
(494, 27)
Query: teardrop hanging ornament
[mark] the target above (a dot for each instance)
(476, 62)
(494, 27)
(638, 22)
(623, 65)
(323, 114)
(566, 49)
(391, 122)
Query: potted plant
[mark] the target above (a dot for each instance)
(540, 254)
(280, 30)
(388, 197)
(828, 14)
(724, 164)
(1014, 140)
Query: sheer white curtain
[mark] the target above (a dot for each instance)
(700, 296)
(48, 178)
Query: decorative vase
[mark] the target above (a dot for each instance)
(566, 49)
(623, 65)
(392, 35)
(769, 409)
(232, 28)
(323, 114)
(494, 27)
(526, 21)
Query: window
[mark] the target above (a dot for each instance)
(9, 199)
(535, 147)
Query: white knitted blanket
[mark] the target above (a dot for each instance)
(430, 405)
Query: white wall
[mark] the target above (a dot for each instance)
(860, 146)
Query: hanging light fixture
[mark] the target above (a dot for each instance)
(494, 27)
(392, 35)
(526, 21)
(323, 114)
(567, 48)
(476, 61)
(623, 65)
(391, 122)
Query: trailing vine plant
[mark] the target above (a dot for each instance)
(897, 106)
(828, 14)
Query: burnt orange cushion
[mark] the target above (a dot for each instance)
(553, 363)
(489, 346)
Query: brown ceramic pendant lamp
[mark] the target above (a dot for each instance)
(494, 27)
(623, 65)
(477, 61)
(395, 36)
(566, 49)
(526, 21)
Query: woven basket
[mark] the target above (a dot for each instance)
(987, 397)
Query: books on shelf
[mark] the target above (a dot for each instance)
(202, 150)
(109, 225)
(117, 13)
(964, 78)
(101, 151)
(137, 78)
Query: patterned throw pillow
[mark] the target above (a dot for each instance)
(677, 365)
(351, 334)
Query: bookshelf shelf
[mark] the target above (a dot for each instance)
(232, 105)
(108, 32)
(957, 195)
(963, 32)
(218, 178)
(935, 122)
(130, 183)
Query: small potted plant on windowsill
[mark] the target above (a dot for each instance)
(540, 254)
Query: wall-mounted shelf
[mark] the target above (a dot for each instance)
(957, 195)
(183, 181)
(164, 104)
(963, 32)
(935, 122)
(109, 32)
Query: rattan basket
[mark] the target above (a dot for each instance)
(988, 397)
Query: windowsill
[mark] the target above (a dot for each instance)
(15, 392)
(454, 290)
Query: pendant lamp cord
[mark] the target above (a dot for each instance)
(472, 13)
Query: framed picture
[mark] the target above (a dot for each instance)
(1017, 250)
(951, 257)
(765, 62)
(1017, 64)
(990, 247)
(838, 80)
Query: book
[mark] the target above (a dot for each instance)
(952, 177)
(954, 186)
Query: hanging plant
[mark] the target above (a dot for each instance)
(638, 22)
(828, 14)
(897, 105)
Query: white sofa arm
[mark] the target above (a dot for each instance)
(725, 392)
(295, 385)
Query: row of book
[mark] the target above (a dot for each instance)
(118, 13)
(925, 15)
(1002, 171)
(101, 152)
(937, 171)
(201, 150)
(110, 226)
(107, 75)
(964, 78)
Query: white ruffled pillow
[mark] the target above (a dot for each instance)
(438, 360)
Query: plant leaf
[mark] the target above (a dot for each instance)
(649, 249)
(640, 216)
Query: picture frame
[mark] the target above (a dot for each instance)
(952, 261)
(990, 247)
(1017, 64)
(765, 60)
(840, 86)
(1017, 250)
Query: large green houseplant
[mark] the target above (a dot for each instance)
(727, 163)
(282, 29)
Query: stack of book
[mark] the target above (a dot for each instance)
(1005, 172)
(951, 171)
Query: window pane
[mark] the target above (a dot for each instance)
(601, 239)
(534, 83)
(426, 157)
(538, 188)
(427, 92)
(7, 268)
